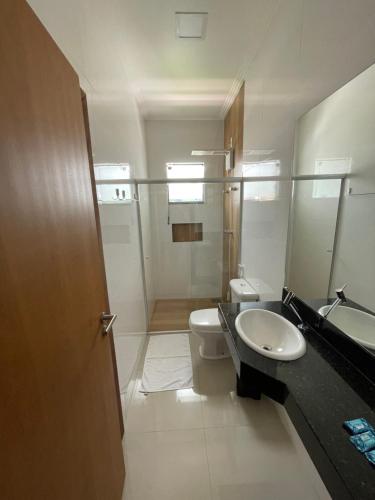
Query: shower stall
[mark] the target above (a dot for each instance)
(182, 244)
(169, 243)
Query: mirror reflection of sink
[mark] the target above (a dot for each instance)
(359, 325)
(270, 334)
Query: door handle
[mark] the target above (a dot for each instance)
(107, 320)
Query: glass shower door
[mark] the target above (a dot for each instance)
(182, 248)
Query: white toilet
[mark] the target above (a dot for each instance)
(206, 324)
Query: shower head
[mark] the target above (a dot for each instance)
(228, 153)
(210, 152)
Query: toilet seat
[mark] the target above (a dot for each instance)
(205, 320)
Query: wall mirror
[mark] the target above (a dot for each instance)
(332, 221)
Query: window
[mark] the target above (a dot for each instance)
(264, 190)
(325, 188)
(113, 193)
(186, 192)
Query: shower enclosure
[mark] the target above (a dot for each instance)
(168, 242)
(182, 250)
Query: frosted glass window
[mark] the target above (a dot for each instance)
(326, 188)
(187, 192)
(113, 193)
(264, 190)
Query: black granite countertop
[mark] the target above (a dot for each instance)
(326, 388)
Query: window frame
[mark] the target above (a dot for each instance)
(276, 194)
(126, 201)
(334, 165)
(190, 202)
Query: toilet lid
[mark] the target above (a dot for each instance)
(205, 320)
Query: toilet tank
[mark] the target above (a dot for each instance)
(241, 291)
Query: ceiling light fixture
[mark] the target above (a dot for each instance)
(191, 25)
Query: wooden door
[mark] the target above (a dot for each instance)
(60, 435)
(233, 138)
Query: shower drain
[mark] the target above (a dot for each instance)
(267, 347)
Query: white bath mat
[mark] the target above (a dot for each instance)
(169, 345)
(168, 364)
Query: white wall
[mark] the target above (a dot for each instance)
(312, 233)
(122, 263)
(267, 136)
(117, 132)
(184, 270)
(272, 103)
(303, 57)
(263, 243)
(118, 137)
(343, 126)
(173, 141)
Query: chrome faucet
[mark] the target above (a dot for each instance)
(341, 299)
(288, 301)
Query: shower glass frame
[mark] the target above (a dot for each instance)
(136, 182)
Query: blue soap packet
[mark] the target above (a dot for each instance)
(357, 426)
(370, 455)
(364, 442)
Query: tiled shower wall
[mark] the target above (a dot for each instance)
(189, 269)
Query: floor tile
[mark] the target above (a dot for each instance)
(167, 465)
(195, 357)
(127, 349)
(208, 444)
(266, 490)
(304, 458)
(228, 409)
(216, 377)
(247, 463)
(126, 495)
(161, 411)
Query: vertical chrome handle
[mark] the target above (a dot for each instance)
(107, 319)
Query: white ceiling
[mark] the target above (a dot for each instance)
(288, 51)
(192, 78)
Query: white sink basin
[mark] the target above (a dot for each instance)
(359, 325)
(270, 334)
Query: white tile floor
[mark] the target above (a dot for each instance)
(127, 347)
(207, 444)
